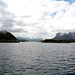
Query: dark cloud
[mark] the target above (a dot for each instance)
(18, 30)
(14, 30)
(7, 23)
(2, 4)
(6, 18)
(21, 23)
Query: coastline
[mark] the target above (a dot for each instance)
(57, 41)
(10, 41)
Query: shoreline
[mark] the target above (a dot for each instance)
(57, 41)
(9, 41)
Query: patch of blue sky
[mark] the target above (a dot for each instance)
(53, 14)
(70, 1)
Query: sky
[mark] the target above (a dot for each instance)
(37, 18)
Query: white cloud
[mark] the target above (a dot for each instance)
(42, 18)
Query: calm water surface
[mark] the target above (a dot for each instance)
(35, 58)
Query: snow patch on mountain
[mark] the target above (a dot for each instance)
(65, 36)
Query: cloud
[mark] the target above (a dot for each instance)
(65, 31)
(70, 1)
(37, 18)
(7, 19)
(2, 4)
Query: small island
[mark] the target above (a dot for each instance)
(62, 38)
(7, 37)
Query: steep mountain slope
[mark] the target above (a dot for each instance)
(65, 36)
(62, 38)
(7, 37)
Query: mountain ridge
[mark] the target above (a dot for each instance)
(61, 38)
(27, 39)
(6, 36)
(65, 36)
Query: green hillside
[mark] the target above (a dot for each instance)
(7, 37)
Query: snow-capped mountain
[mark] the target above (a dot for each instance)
(65, 36)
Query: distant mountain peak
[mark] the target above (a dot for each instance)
(65, 36)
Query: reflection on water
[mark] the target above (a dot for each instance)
(33, 58)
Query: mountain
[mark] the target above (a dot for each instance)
(65, 36)
(27, 39)
(7, 37)
(62, 38)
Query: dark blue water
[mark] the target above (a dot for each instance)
(33, 58)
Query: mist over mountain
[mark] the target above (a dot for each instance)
(27, 39)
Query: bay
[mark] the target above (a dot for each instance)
(35, 58)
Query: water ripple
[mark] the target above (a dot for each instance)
(31, 58)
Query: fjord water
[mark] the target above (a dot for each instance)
(35, 58)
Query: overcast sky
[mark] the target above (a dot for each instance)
(37, 18)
